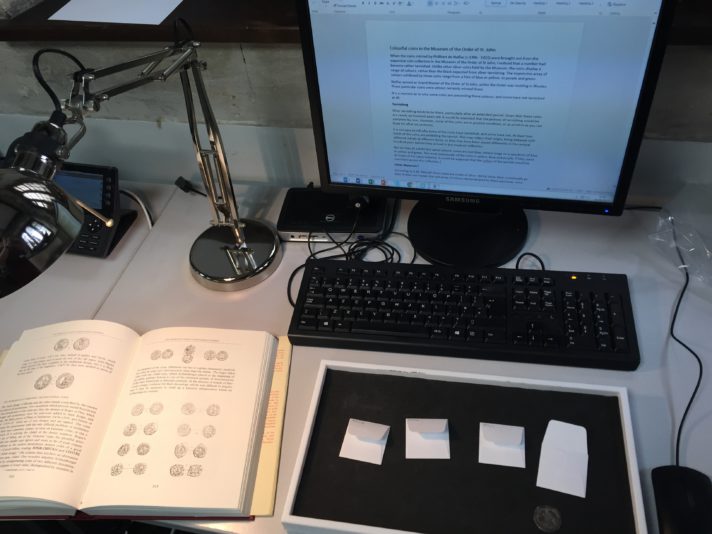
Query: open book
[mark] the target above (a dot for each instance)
(97, 419)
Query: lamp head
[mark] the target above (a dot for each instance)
(38, 221)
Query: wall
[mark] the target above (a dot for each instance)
(12, 8)
(682, 108)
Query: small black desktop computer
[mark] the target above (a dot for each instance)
(310, 214)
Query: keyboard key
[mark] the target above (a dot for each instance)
(551, 341)
(439, 333)
(307, 323)
(458, 334)
(361, 327)
(495, 335)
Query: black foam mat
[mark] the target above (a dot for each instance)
(460, 494)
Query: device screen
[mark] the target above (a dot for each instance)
(85, 186)
(514, 98)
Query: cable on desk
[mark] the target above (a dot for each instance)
(684, 267)
(314, 254)
(354, 250)
(415, 252)
(700, 365)
(133, 196)
(531, 255)
(541, 262)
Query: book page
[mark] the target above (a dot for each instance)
(58, 385)
(184, 424)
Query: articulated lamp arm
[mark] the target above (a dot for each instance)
(212, 162)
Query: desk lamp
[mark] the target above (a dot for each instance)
(39, 221)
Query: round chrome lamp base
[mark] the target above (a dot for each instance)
(218, 264)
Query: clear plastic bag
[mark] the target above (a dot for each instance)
(684, 231)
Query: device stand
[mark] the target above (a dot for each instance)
(467, 235)
(126, 219)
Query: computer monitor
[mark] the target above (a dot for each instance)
(481, 108)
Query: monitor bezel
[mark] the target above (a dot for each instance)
(615, 207)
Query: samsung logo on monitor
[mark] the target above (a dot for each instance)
(463, 200)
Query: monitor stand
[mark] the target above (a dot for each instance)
(467, 235)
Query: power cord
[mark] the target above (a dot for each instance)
(177, 25)
(40, 78)
(146, 213)
(415, 253)
(185, 185)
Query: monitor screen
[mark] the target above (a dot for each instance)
(533, 103)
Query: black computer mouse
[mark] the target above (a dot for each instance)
(683, 497)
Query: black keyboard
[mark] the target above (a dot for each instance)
(552, 317)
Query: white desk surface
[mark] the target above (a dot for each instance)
(74, 287)
(157, 290)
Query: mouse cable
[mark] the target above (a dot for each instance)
(680, 297)
(532, 255)
(686, 271)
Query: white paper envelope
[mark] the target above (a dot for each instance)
(427, 438)
(365, 441)
(502, 445)
(563, 463)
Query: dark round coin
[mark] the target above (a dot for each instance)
(547, 518)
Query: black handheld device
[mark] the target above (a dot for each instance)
(98, 187)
